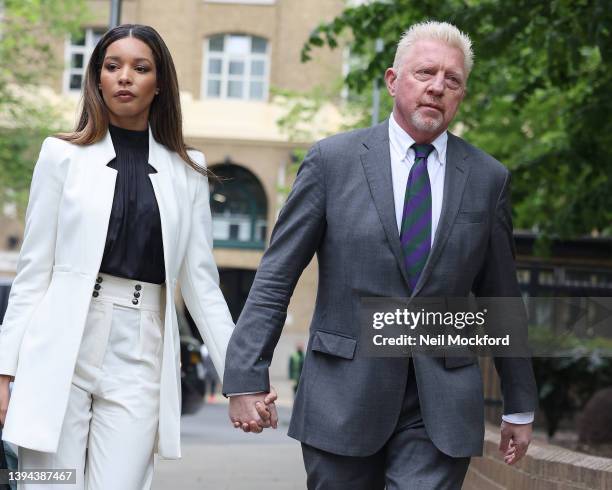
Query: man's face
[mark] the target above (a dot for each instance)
(428, 89)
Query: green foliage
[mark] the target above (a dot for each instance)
(17, 158)
(575, 368)
(27, 29)
(299, 111)
(538, 97)
(566, 383)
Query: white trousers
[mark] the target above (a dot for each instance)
(109, 432)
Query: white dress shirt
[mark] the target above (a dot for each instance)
(402, 159)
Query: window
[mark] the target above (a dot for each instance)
(236, 67)
(78, 52)
(239, 208)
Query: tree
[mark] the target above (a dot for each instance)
(27, 28)
(538, 97)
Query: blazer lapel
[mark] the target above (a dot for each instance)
(457, 172)
(95, 189)
(159, 159)
(376, 162)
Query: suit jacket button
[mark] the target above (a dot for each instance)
(99, 280)
(136, 294)
(135, 301)
(97, 287)
(138, 287)
(95, 294)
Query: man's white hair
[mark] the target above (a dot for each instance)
(437, 31)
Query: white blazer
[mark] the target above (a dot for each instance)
(66, 224)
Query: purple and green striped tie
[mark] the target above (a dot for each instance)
(415, 233)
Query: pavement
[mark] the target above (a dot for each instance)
(217, 456)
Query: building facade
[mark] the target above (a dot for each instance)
(231, 57)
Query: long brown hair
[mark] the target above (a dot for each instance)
(165, 113)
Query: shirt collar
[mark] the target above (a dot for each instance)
(402, 141)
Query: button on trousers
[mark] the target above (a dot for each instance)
(110, 428)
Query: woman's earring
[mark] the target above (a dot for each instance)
(156, 91)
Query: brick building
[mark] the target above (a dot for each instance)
(230, 55)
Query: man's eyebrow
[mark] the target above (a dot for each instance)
(456, 74)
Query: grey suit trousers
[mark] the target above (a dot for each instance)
(407, 461)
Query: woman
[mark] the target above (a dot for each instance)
(118, 213)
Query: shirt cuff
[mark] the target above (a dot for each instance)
(245, 393)
(519, 418)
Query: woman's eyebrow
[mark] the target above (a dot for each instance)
(118, 58)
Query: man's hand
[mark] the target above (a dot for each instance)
(515, 439)
(253, 413)
(4, 396)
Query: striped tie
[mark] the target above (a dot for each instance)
(415, 233)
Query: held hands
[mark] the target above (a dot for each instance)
(515, 439)
(253, 413)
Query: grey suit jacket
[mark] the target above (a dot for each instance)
(341, 208)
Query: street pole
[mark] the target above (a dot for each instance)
(376, 89)
(115, 17)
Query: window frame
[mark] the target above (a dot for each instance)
(224, 78)
(251, 222)
(86, 49)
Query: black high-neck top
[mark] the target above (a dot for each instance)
(134, 247)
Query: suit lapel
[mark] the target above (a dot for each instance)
(376, 161)
(457, 172)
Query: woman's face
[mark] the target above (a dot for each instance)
(128, 81)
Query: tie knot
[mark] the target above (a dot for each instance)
(422, 151)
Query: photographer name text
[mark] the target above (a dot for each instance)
(425, 340)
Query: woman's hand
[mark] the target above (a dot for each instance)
(4, 396)
(269, 401)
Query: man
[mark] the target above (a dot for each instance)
(403, 209)
(296, 363)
